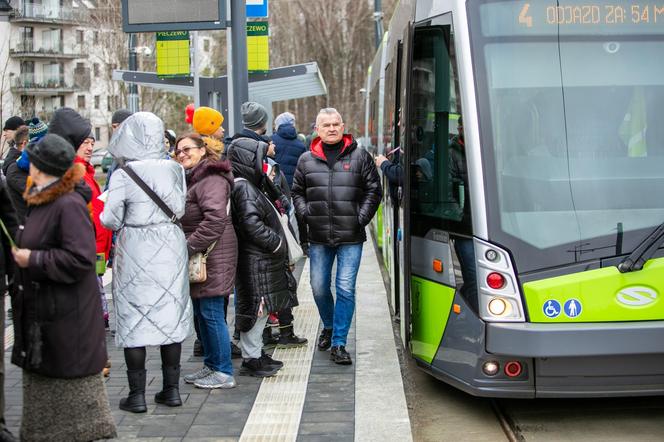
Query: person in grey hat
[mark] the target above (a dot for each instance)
(254, 116)
(118, 117)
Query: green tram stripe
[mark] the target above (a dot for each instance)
(431, 304)
(604, 295)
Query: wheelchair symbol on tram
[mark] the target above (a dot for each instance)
(551, 308)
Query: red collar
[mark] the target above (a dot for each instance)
(317, 146)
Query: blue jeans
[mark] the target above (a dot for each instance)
(335, 316)
(214, 333)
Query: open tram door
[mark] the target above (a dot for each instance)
(437, 225)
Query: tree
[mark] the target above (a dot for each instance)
(339, 36)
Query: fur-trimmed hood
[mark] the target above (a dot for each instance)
(70, 181)
(210, 167)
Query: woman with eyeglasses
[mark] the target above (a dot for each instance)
(209, 229)
(150, 276)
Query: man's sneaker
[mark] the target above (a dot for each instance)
(325, 339)
(236, 352)
(340, 356)
(200, 374)
(216, 379)
(267, 360)
(257, 368)
(198, 348)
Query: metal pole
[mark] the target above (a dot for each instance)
(378, 18)
(133, 66)
(240, 77)
(197, 85)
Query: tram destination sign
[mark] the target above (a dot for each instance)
(572, 17)
(172, 15)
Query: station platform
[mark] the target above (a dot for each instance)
(310, 399)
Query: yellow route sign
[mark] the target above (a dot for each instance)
(173, 54)
(258, 47)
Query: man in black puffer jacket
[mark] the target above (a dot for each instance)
(336, 192)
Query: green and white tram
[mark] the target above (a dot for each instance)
(530, 135)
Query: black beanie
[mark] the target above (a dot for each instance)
(13, 123)
(52, 155)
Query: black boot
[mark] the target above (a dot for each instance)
(135, 402)
(170, 394)
(288, 339)
(257, 368)
(269, 341)
(198, 348)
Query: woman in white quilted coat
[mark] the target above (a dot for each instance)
(150, 279)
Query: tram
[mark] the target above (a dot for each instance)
(523, 241)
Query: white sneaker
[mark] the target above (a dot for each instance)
(216, 379)
(190, 378)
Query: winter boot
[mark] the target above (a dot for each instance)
(170, 394)
(288, 339)
(257, 368)
(135, 402)
(269, 341)
(198, 348)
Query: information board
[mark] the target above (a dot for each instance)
(173, 54)
(172, 15)
(258, 47)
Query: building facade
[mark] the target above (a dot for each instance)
(49, 50)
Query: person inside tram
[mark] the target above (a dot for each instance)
(463, 245)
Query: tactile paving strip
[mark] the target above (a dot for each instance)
(278, 407)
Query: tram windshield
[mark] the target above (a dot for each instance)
(572, 126)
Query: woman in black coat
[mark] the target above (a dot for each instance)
(264, 283)
(58, 330)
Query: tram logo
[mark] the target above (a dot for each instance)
(636, 296)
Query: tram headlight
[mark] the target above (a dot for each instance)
(498, 306)
(490, 368)
(492, 255)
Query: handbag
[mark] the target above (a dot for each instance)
(295, 252)
(198, 265)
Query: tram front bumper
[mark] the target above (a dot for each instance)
(535, 340)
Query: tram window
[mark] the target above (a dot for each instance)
(439, 183)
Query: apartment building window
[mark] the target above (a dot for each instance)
(97, 133)
(95, 69)
(95, 37)
(79, 36)
(80, 101)
(206, 44)
(109, 101)
(27, 34)
(97, 101)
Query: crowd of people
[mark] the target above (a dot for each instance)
(185, 222)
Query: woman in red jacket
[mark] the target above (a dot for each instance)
(103, 236)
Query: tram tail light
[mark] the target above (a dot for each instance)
(513, 369)
(495, 280)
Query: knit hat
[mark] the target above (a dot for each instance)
(207, 120)
(285, 118)
(254, 115)
(52, 155)
(36, 129)
(120, 115)
(13, 123)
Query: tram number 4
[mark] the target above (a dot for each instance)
(524, 18)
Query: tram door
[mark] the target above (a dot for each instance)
(436, 164)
